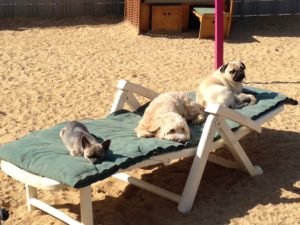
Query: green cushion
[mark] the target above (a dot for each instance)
(204, 10)
(43, 153)
(200, 2)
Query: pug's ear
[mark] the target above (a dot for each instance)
(106, 144)
(244, 67)
(223, 68)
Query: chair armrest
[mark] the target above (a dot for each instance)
(137, 89)
(230, 114)
(125, 94)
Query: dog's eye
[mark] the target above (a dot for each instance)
(172, 131)
(182, 130)
(232, 71)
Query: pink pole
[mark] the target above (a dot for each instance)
(219, 33)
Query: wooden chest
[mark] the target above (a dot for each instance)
(166, 18)
(207, 21)
(208, 25)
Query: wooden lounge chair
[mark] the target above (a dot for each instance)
(229, 134)
(206, 17)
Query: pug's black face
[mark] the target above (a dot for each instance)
(239, 75)
(235, 69)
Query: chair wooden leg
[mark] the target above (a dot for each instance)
(237, 151)
(201, 28)
(119, 101)
(86, 208)
(31, 192)
(199, 36)
(199, 162)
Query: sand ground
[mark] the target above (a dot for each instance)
(53, 71)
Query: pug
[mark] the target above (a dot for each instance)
(80, 142)
(224, 87)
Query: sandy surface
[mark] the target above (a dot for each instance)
(53, 71)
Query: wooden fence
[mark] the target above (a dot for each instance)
(97, 8)
(266, 7)
(60, 8)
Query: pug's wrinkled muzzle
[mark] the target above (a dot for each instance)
(239, 76)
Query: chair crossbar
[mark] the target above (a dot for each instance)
(236, 150)
(53, 211)
(148, 187)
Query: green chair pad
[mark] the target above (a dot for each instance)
(43, 153)
(204, 10)
(201, 2)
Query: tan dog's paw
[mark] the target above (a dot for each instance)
(253, 100)
(143, 133)
(195, 113)
(199, 118)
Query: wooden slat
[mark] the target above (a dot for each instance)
(232, 115)
(53, 211)
(236, 150)
(198, 165)
(148, 187)
(135, 88)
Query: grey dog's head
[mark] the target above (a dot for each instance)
(235, 70)
(94, 152)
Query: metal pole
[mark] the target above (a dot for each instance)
(219, 33)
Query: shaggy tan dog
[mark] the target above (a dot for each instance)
(167, 115)
(224, 87)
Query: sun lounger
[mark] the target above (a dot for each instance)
(30, 159)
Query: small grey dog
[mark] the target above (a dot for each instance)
(80, 142)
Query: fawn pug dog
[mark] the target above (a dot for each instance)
(224, 87)
(167, 115)
(80, 142)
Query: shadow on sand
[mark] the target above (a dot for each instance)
(246, 29)
(223, 194)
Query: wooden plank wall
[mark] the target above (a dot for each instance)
(97, 8)
(266, 7)
(59, 8)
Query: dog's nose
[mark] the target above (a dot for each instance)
(93, 160)
(242, 75)
(181, 140)
(239, 76)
